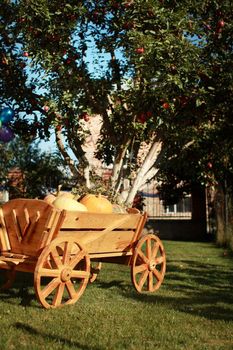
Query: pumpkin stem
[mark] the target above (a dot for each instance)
(58, 190)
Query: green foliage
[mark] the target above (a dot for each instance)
(197, 141)
(166, 71)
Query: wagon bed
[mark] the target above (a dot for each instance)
(65, 249)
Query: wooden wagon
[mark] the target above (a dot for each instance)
(64, 249)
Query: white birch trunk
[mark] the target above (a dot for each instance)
(142, 174)
(69, 161)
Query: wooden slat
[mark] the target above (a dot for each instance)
(99, 242)
(12, 260)
(52, 227)
(4, 240)
(33, 222)
(15, 224)
(23, 221)
(99, 221)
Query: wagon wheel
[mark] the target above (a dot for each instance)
(95, 269)
(8, 278)
(62, 273)
(148, 264)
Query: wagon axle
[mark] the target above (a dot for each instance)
(66, 274)
(152, 265)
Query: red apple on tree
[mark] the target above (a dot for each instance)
(221, 23)
(166, 105)
(128, 3)
(140, 50)
(115, 5)
(141, 118)
(68, 60)
(149, 114)
(22, 19)
(58, 127)
(85, 116)
(128, 25)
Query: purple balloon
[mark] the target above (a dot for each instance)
(6, 114)
(6, 134)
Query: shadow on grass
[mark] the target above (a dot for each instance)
(33, 331)
(191, 287)
(119, 284)
(21, 289)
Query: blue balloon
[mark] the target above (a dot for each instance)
(6, 134)
(6, 115)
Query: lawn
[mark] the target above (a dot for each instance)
(193, 309)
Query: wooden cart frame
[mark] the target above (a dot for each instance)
(64, 249)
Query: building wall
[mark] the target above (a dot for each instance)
(177, 229)
(186, 220)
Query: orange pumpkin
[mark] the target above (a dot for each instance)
(96, 204)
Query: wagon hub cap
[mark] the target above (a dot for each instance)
(152, 265)
(66, 275)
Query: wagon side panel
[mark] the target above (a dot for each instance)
(106, 234)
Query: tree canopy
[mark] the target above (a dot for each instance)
(158, 73)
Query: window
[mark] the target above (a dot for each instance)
(183, 206)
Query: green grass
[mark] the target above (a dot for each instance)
(193, 309)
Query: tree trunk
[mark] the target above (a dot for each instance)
(117, 167)
(229, 221)
(65, 155)
(141, 176)
(219, 206)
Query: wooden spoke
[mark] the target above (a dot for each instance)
(59, 294)
(65, 278)
(77, 258)
(148, 248)
(50, 287)
(157, 274)
(67, 253)
(142, 256)
(71, 290)
(140, 268)
(148, 264)
(159, 260)
(143, 279)
(79, 274)
(55, 258)
(150, 282)
(155, 250)
(50, 272)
